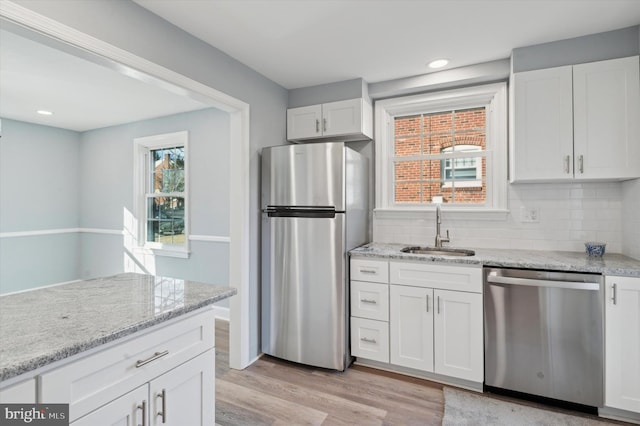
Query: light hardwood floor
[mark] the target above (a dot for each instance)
(272, 391)
(276, 392)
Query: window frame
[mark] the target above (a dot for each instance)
(142, 150)
(492, 96)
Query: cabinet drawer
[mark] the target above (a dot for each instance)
(103, 376)
(370, 300)
(370, 339)
(370, 270)
(459, 278)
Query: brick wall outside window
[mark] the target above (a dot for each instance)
(421, 137)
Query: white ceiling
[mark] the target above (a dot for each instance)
(296, 43)
(82, 95)
(299, 43)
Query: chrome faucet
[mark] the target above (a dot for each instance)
(439, 238)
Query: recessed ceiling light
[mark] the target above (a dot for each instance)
(438, 63)
(44, 112)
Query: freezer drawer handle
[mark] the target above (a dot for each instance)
(373, 302)
(498, 279)
(366, 339)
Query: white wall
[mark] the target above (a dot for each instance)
(39, 182)
(569, 215)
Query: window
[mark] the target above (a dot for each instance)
(448, 146)
(161, 193)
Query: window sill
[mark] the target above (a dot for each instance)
(156, 251)
(452, 213)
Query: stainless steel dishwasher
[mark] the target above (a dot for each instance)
(544, 334)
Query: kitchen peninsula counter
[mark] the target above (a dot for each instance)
(609, 264)
(42, 326)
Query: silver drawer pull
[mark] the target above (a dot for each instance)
(365, 339)
(367, 271)
(152, 358)
(373, 302)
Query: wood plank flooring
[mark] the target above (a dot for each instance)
(276, 392)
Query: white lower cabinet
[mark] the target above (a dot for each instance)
(130, 409)
(622, 342)
(23, 392)
(435, 321)
(458, 335)
(411, 327)
(164, 375)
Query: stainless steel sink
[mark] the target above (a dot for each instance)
(440, 251)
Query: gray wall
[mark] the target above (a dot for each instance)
(39, 183)
(323, 93)
(106, 200)
(126, 25)
(595, 47)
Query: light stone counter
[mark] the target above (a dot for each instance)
(41, 326)
(609, 264)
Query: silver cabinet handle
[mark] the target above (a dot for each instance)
(438, 305)
(317, 126)
(367, 271)
(324, 124)
(614, 296)
(427, 303)
(373, 302)
(163, 413)
(581, 163)
(143, 407)
(567, 164)
(365, 339)
(152, 358)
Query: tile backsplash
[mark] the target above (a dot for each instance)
(564, 216)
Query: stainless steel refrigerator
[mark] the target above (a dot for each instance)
(314, 210)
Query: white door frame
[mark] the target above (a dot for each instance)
(119, 60)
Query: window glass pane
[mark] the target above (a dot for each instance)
(165, 223)
(449, 134)
(167, 170)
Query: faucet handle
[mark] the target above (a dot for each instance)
(446, 240)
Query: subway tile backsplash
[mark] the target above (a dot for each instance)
(566, 215)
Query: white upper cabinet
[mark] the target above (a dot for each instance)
(577, 122)
(343, 120)
(606, 111)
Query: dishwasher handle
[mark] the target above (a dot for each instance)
(493, 277)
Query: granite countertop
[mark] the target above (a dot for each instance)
(40, 326)
(609, 264)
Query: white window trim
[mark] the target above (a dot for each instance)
(142, 146)
(493, 96)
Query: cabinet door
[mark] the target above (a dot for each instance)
(186, 394)
(342, 118)
(411, 327)
(542, 143)
(20, 393)
(130, 409)
(458, 339)
(606, 125)
(622, 343)
(304, 122)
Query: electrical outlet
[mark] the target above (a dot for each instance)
(529, 215)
